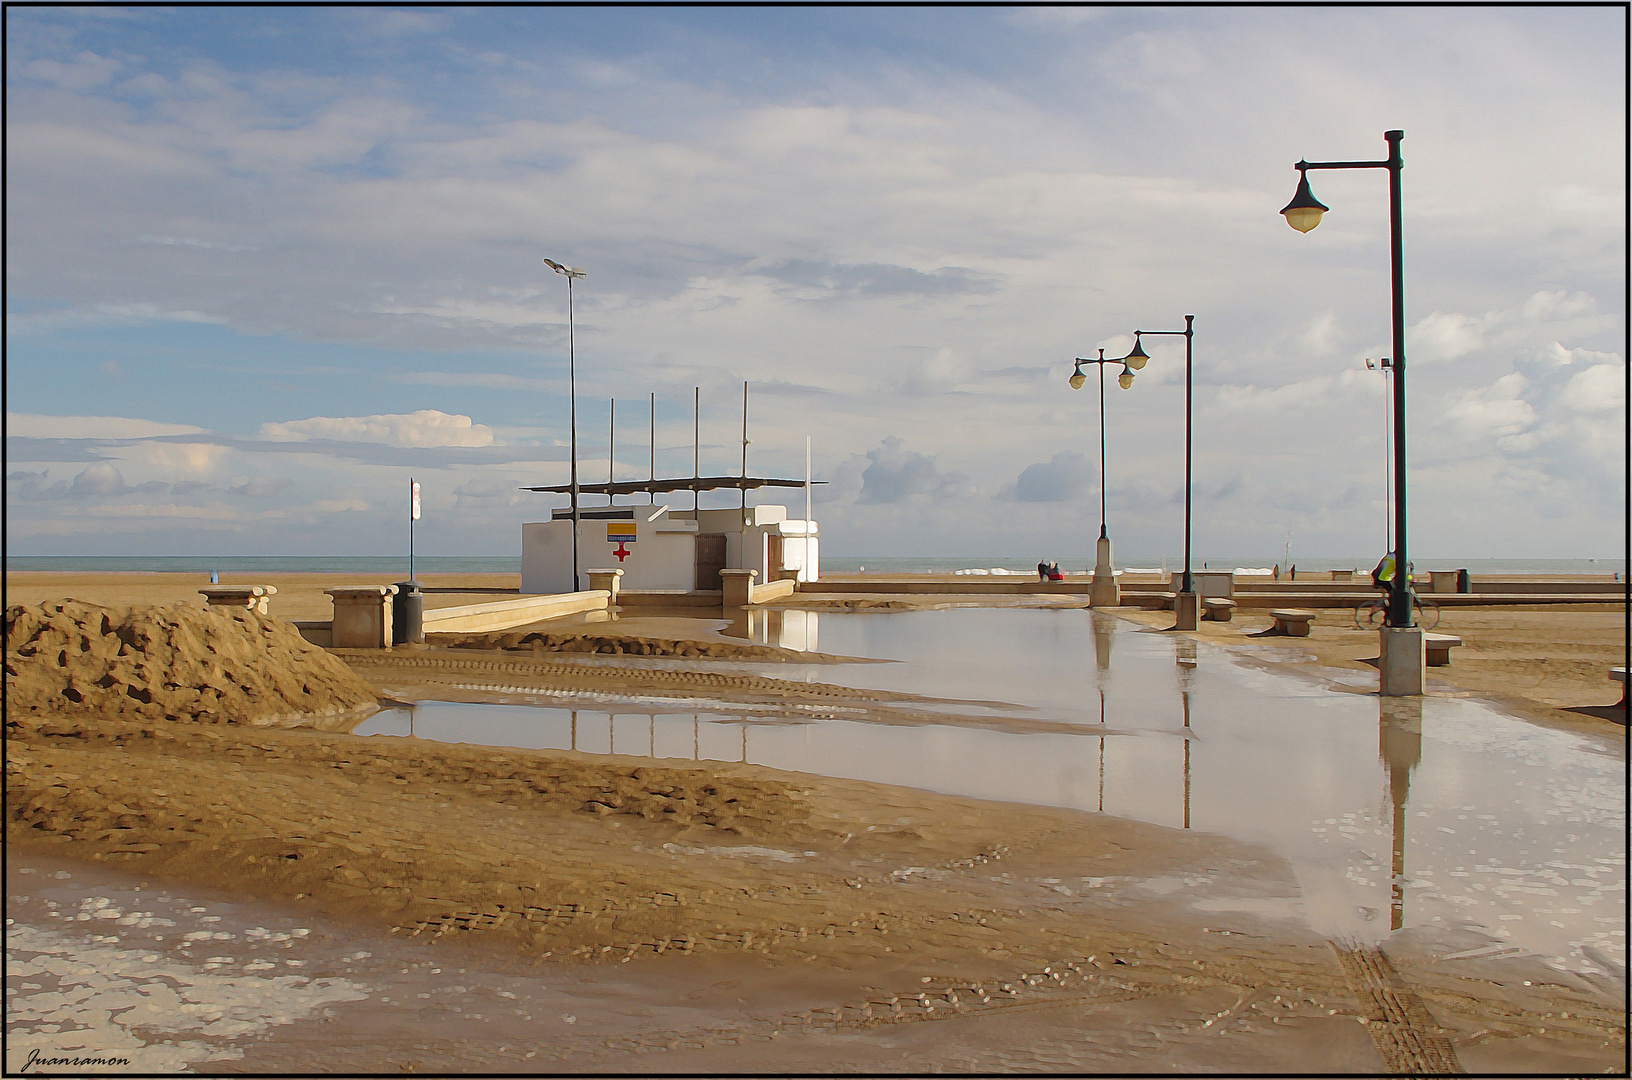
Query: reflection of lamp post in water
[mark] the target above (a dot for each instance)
(1104, 628)
(1399, 745)
(1185, 656)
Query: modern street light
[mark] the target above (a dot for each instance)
(1303, 213)
(571, 274)
(1105, 592)
(1188, 607)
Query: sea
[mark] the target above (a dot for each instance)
(883, 564)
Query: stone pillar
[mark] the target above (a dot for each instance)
(606, 581)
(362, 616)
(1402, 661)
(737, 588)
(1187, 611)
(1105, 592)
(253, 597)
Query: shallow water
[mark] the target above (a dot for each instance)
(1397, 813)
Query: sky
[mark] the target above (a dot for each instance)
(266, 264)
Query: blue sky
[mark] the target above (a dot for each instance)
(265, 263)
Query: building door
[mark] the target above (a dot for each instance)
(710, 560)
(773, 556)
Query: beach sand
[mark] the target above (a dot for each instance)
(851, 914)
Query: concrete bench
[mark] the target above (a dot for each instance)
(253, 597)
(1618, 674)
(1342, 575)
(1293, 622)
(1438, 648)
(1156, 601)
(1218, 608)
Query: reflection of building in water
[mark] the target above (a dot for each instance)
(1399, 745)
(1104, 630)
(787, 628)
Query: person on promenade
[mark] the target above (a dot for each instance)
(1042, 570)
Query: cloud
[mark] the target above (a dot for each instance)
(823, 279)
(424, 428)
(99, 479)
(30, 426)
(896, 475)
(1063, 477)
(1599, 389)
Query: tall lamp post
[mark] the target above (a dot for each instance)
(572, 274)
(1105, 591)
(1402, 674)
(1188, 606)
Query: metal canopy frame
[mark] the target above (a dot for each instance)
(659, 487)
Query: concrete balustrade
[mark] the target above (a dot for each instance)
(504, 614)
(362, 616)
(253, 597)
(606, 580)
(737, 588)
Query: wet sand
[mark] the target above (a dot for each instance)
(808, 923)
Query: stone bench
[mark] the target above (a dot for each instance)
(1293, 622)
(253, 597)
(1217, 608)
(1155, 601)
(1437, 648)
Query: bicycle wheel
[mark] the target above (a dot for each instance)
(1427, 614)
(1369, 615)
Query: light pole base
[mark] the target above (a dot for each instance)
(1105, 591)
(1187, 610)
(1402, 662)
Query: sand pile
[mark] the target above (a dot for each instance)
(173, 662)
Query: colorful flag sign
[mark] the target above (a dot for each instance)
(413, 501)
(620, 532)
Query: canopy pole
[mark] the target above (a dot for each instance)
(696, 443)
(651, 445)
(745, 447)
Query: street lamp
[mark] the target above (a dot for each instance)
(571, 274)
(1304, 213)
(1105, 592)
(1188, 607)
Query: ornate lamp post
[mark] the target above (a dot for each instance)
(1402, 662)
(1188, 606)
(1105, 592)
(572, 274)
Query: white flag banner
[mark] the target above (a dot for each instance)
(413, 502)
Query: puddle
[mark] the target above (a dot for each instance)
(1437, 812)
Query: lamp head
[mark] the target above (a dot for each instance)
(1138, 357)
(560, 268)
(1077, 377)
(1304, 211)
(1125, 380)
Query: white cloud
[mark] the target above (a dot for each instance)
(31, 426)
(424, 428)
(1599, 389)
(1494, 411)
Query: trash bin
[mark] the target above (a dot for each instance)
(1462, 582)
(408, 614)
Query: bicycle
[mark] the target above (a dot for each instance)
(1374, 613)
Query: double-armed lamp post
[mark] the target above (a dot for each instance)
(1187, 607)
(1400, 676)
(1105, 592)
(572, 274)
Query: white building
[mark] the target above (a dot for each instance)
(661, 549)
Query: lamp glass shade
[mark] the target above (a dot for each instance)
(1137, 358)
(1304, 211)
(1078, 379)
(1125, 380)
